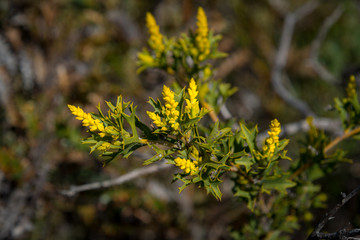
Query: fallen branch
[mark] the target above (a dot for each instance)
(139, 172)
(341, 234)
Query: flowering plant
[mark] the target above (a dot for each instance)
(205, 154)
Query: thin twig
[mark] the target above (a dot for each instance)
(313, 60)
(330, 215)
(139, 172)
(341, 138)
(282, 55)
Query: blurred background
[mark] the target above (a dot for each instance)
(83, 52)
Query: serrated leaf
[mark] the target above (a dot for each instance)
(249, 136)
(154, 158)
(182, 178)
(213, 188)
(110, 105)
(245, 161)
(282, 144)
(156, 105)
(160, 154)
(217, 134)
(239, 154)
(277, 183)
(131, 119)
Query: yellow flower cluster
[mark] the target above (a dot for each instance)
(156, 39)
(202, 35)
(351, 87)
(169, 111)
(87, 119)
(169, 117)
(189, 165)
(192, 104)
(104, 147)
(273, 138)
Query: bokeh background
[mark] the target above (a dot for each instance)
(83, 52)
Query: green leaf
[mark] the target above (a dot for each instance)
(89, 141)
(245, 161)
(160, 154)
(249, 136)
(226, 90)
(156, 105)
(182, 178)
(111, 106)
(277, 183)
(131, 119)
(213, 188)
(154, 158)
(239, 154)
(355, 102)
(217, 134)
(187, 122)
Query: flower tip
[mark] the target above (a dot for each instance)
(201, 11)
(149, 17)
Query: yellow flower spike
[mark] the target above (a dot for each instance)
(351, 87)
(170, 110)
(192, 104)
(161, 123)
(156, 39)
(87, 119)
(202, 32)
(273, 139)
(77, 111)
